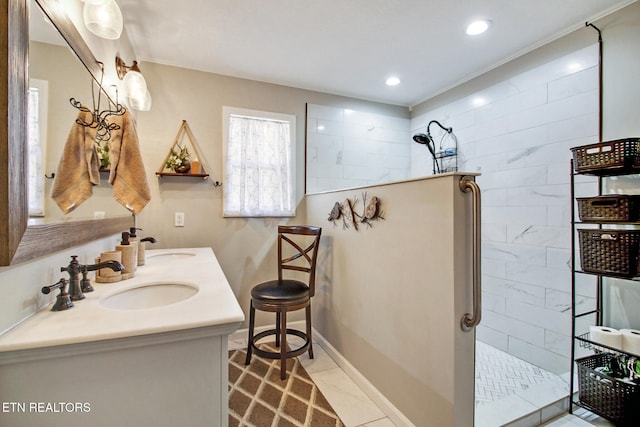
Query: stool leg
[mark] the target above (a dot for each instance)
(252, 319)
(308, 310)
(277, 329)
(283, 345)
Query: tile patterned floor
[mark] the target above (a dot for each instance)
(533, 392)
(353, 406)
(499, 374)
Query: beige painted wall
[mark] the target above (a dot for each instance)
(245, 247)
(390, 297)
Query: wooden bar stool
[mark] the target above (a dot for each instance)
(297, 251)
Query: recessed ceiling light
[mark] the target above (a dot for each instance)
(393, 81)
(574, 67)
(479, 101)
(478, 27)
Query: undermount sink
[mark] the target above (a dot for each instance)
(149, 295)
(172, 255)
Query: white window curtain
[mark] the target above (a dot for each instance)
(37, 140)
(259, 164)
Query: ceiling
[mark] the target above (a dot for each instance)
(350, 47)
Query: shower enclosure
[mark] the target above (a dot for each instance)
(517, 134)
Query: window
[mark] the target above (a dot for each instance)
(37, 140)
(259, 163)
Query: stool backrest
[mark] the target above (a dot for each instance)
(298, 251)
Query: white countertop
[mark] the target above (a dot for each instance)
(88, 321)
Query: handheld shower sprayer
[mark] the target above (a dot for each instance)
(426, 139)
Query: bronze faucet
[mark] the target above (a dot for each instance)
(63, 301)
(75, 269)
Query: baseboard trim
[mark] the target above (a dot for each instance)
(373, 393)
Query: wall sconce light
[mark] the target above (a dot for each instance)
(103, 18)
(135, 86)
(141, 104)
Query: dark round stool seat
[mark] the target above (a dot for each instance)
(280, 290)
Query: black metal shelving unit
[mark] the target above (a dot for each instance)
(583, 340)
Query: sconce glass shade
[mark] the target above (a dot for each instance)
(103, 19)
(141, 104)
(135, 86)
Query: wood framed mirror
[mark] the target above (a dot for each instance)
(20, 241)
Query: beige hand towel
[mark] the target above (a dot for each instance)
(78, 170)
(128, 177)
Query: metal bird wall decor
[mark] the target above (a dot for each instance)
(347, 212)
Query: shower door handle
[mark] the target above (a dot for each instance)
(471, 320)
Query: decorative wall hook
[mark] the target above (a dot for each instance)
(99, 119)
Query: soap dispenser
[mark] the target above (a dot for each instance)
(133, 237)
(129, 255)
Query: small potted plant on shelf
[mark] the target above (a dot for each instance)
(103, 156)
(179, 160)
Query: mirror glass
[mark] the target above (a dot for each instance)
(21, 241)
(348, 148)
(55, 76)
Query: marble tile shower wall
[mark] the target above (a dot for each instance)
(518, 134)
(347, 148)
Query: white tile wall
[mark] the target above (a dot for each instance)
(347, 148)
(519, 140)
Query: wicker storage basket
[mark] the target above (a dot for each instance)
(619, 207)
(607, 157)
(611, 252)
(607, 396)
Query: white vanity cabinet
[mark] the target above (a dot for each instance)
(104, 366)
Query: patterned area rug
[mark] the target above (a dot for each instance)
(258, 398)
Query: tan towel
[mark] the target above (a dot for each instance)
(78, 170)
(128, 177)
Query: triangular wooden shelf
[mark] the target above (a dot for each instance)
(178, 144)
